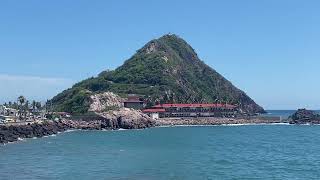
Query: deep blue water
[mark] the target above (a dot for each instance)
(214, 152)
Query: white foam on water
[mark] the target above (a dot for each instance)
(71, 130)
(20, 139)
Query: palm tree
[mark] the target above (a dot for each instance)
(26, 109)
(34, 103)
(38, 105)
(21, 100)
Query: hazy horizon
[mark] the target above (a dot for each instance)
(268, 49)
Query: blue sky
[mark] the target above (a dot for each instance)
(268, 48)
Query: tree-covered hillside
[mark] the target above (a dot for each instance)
(165, 70)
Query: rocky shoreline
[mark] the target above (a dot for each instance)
(124, 118)
(131, 119)
(11, 133)
(213, 121)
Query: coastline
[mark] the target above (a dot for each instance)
(214, 121)
(12, 133)
(245, 124)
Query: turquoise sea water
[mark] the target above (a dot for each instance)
(214, 152)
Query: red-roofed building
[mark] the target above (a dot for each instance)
(192, 110)
(134, 102)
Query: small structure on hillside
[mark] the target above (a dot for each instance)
(134, 102)
(2, 108)
(8, 111)
(57, 115)
(154, 113)
(191, 110)
(8, 115)
(7, 119)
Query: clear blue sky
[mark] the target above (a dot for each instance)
(268, 48)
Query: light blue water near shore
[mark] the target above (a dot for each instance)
(214, 152)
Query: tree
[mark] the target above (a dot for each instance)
(10, 104)
(38, 105)
(47, 105)
(34, 103)
(15, 105)
(26, 109)
(21, 100)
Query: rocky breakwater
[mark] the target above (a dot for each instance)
(11, 133)
(214, 121)
(106, 112)
(112, 120)
(303, 116)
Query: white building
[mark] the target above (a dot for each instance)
(153, 113)
(2, 109)
(8, 114)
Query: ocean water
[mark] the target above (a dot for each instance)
(206, 152)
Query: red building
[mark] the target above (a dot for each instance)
(192, 110)
(134, 102)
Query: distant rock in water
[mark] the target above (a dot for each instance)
(304, 116)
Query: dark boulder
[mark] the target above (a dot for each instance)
(304, 116)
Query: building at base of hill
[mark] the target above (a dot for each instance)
(191, 110)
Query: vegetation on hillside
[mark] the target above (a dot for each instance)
(165, 70)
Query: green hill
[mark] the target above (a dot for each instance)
(165, 70)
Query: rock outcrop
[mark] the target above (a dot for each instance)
(127, 119)
(103, 101)
(303, 116)
(14, 132)
(123, 118)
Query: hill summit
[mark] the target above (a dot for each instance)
(165, 70)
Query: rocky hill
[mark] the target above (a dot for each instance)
(165, 70)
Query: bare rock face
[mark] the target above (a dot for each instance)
(127, 119)
(109, 106)
(100, 102)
